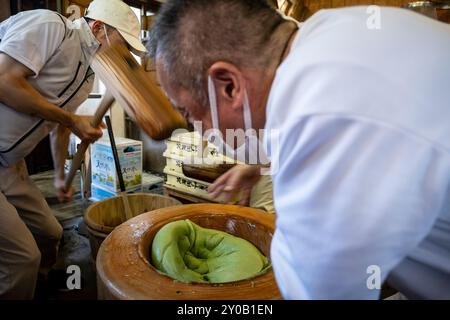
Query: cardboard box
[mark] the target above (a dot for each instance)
(103, 167)
(190, 148)
(175, 165)
(192, 186)
(188, 138)
(185, 150)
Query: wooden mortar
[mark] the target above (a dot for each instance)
(124, 270)
(104, 216)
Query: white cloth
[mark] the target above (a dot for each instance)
(364, 157)
(59, 53)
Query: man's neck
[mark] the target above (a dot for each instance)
(269, 74)
(289, 42)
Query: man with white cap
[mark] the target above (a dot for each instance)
(44, 77)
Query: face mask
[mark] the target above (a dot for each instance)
(251, 151)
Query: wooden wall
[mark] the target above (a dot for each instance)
(315, 5)
(81, 6)
(5, 11)
(302, 9)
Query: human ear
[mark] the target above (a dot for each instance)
(98, 30)
(229, 83)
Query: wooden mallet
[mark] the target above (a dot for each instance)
(105, 105)
(136, 92)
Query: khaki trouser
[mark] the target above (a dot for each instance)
(29, 234)
(262, 195)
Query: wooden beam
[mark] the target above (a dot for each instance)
(6, 11)
(81, 3)
(154, 6)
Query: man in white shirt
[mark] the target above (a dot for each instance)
(44, 77)
(362, 186)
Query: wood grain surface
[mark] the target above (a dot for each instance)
(124, 270)
(136, 91)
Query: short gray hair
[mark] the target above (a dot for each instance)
(191, 35)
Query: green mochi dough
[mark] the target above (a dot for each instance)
(190, 253)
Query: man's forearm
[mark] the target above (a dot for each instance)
(59, 137)
(18, 94)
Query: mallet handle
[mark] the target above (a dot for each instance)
(105, 105)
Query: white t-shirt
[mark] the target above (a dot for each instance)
(58, 52)
(363, 181)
